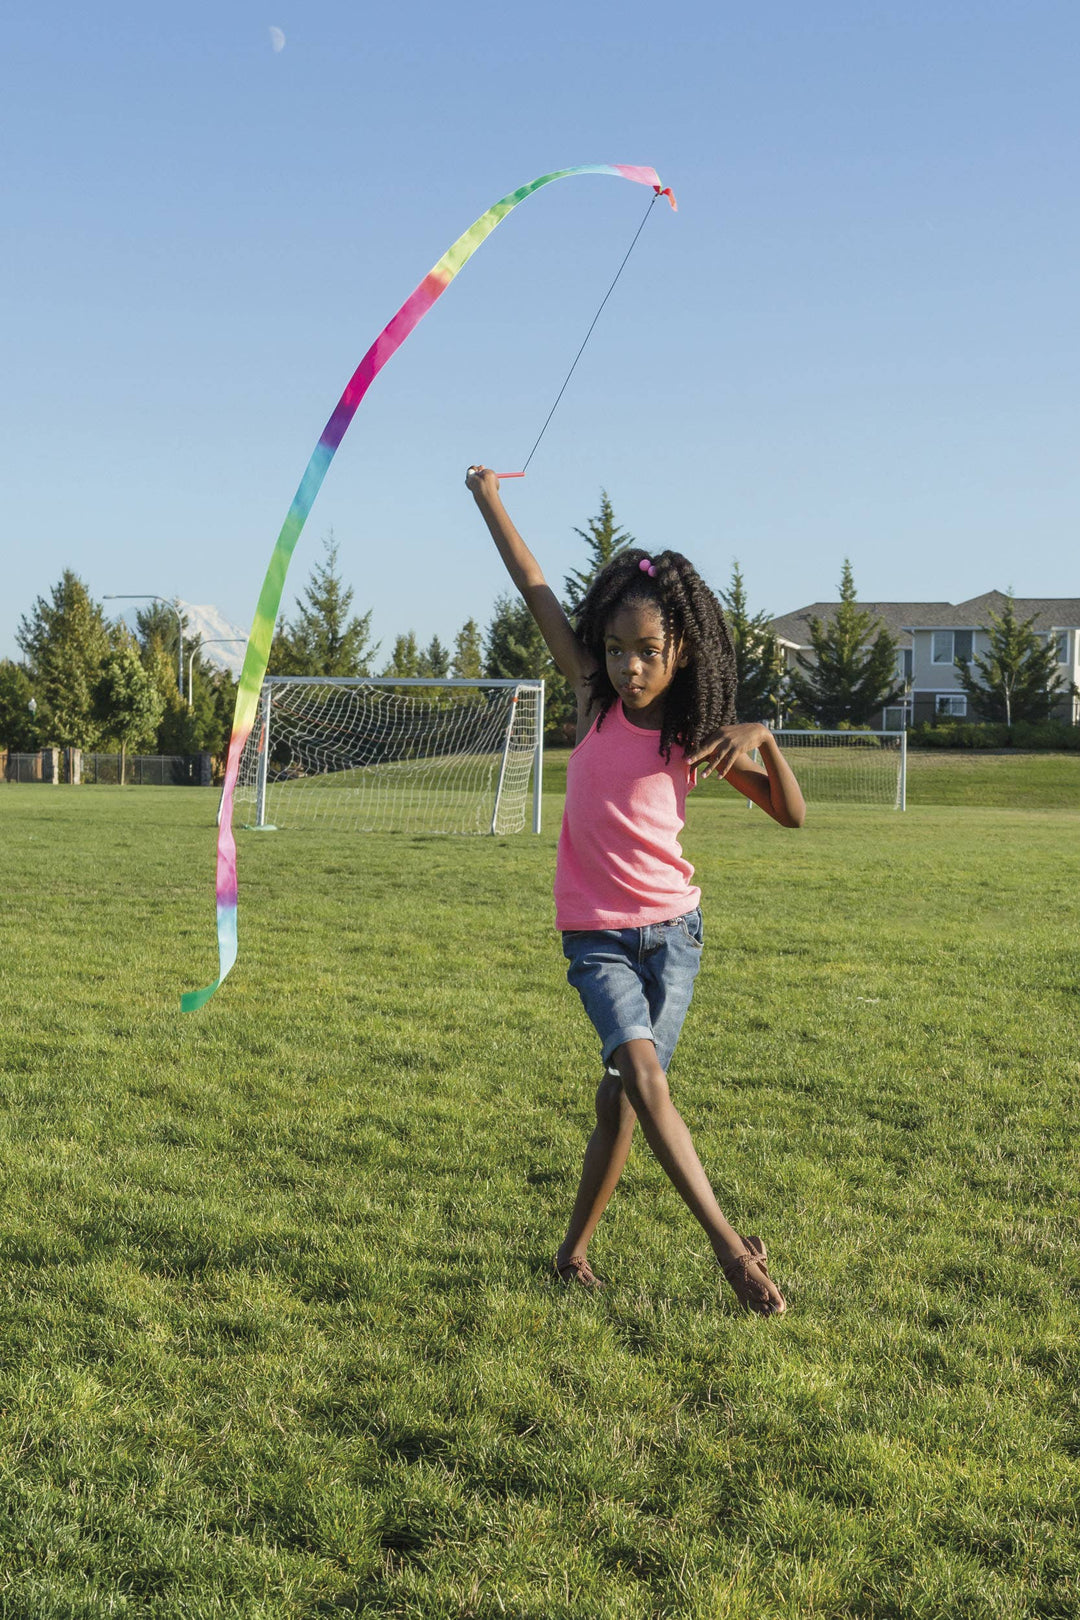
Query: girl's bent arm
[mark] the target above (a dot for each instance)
(568, 652)
(774, 789)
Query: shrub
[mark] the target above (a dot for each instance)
(1025, 735)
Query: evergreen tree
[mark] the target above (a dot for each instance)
(468, 660)
(405, 658)
(126, 699)
(434, 661)
(283, 658)
(201, 724)
(159, 627)
(66, 642)
(159, 638)
(604, 540)
(515, 649)
(202, 719)
(222, 688)
(18, 722)
(180, 726)
(1019, 677)
(759, 663)
(323, 639)
(853, 673)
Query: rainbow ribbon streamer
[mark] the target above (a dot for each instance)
(257, 655)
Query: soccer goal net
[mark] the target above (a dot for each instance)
(849, 767)
(394, 755)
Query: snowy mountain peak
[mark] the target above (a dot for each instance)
(224, 643)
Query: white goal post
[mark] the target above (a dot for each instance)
(395, 754)
(849, 767)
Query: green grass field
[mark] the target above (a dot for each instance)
(279, 1332)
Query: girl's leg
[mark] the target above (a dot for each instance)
(646, 1087)
(605, 1156)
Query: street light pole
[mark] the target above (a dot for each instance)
(211, 641)
(149, 596)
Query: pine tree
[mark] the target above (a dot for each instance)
(201, 724)
(18, 722)
(468, 661)
(1019, 677)
(853, 673)
(159, 627)
(405, 658)
(66, 642)
(759, 663)
(189, 723)
(323, 639)
(175, 730)
(604, 540)
(515, 650)
(223, 687)
(434, 661)
(283, 658)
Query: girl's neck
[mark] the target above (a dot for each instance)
(650, 719)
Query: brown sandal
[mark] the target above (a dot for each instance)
(577, 1270)
(748, 1275)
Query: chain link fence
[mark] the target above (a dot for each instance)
(72, 766)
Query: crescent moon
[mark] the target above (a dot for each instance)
(277, 39)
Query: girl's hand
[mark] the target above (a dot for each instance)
(482, 483)
(721, 752)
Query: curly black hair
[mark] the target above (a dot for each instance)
(701, 698)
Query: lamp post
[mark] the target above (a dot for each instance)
(149, 596)
(211, 641)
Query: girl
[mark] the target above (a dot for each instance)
(653, 668)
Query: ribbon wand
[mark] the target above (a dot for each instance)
(257, 653)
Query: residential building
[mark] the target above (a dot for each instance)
(931, 635)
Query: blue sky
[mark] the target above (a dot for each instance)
(858, 337)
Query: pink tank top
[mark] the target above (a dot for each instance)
(620, 864)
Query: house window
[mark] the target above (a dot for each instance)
(1063, 646)
(951, 703)
(950, 644)
(903, 665)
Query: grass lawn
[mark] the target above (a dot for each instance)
(966, 776)
(279, 1332)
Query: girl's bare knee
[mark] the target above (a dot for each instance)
(613, 1110)
(644, 1082)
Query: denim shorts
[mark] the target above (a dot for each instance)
(636, 983)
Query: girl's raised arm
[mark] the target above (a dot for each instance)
(568, 652)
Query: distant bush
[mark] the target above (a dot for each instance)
(1025, 735)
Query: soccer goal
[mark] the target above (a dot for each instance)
(395, 755)
(849, 767)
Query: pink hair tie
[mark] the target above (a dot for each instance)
(647, 567)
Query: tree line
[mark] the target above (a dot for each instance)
(87, 682)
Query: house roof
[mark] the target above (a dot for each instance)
(1048, 612)
(900, 618)
(795, 626)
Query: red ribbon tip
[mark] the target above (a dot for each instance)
(666, 191)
